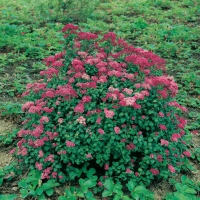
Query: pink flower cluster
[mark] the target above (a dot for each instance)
(130, 146)
(46, 173)
(98, 89)
(70, 144)
(109, 113)
(81, 120)
(154, 171)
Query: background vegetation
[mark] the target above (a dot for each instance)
(29, 32)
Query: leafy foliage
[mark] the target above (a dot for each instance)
(186, 190)
(104, 103)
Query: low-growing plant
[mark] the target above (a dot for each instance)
(107, 104)
(8, 196)
(32, 186)
(186, 190)
(10, 108)
(9, 172)
(10, 137)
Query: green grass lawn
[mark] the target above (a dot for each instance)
(30, 31)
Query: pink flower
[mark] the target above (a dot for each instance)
(171, 168)
(109, 113)
(143, 117)
(98, 121)
(101, 131)
(69, 27)
(123, 140)
(140, 133)
(161, 114)
(46, 172)
(128, 91)
(38, 166)
(106, 167)
(81, 120)
(159, 158)
(88, 155)
(167, 152)
(86, 99)
(79, 108)
(100, 184)
(70, 144)
(13, 151)
(60, 120)
(130, 147)
(35, 109)
(151, 155)
(175, 137)
(187, 153)
(163, 127)
(41, 154)
(116, 129)
(54, 174)
(195, 132)
(50, 158)
(154, 171)
(128, 171)
(44, 119)
(164, 142)
(136, 174)
(27, 105)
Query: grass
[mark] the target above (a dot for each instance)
(29, 32)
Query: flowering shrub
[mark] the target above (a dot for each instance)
(106, 104)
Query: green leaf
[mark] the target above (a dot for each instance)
(46, 186)
(125, 198)
(140, 189)
(30, 179)
(33, 193)
(118, 191)
(183, 179)
(89, 196)
(62, 198)
(24, 193)
(90, 183)
(91, 172)
(41, 197)
(109, 185)
(181, 196)
(106, 193)
(49, 192)
(2, 172)
(84, 188)
(80, 194)
(1, 181)
(81, 181)
(117, 197)
(190, 191)
(72, 197)
(8, 197)
(22, 184)
(135, 195)
(68, 192)
(178, 187)
(39, 191)
(131, 185)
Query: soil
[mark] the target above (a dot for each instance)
(5, 157)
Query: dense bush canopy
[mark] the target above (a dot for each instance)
(105, 104)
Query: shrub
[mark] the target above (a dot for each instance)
(105, 104)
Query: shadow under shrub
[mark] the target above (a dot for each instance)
(102, 103)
